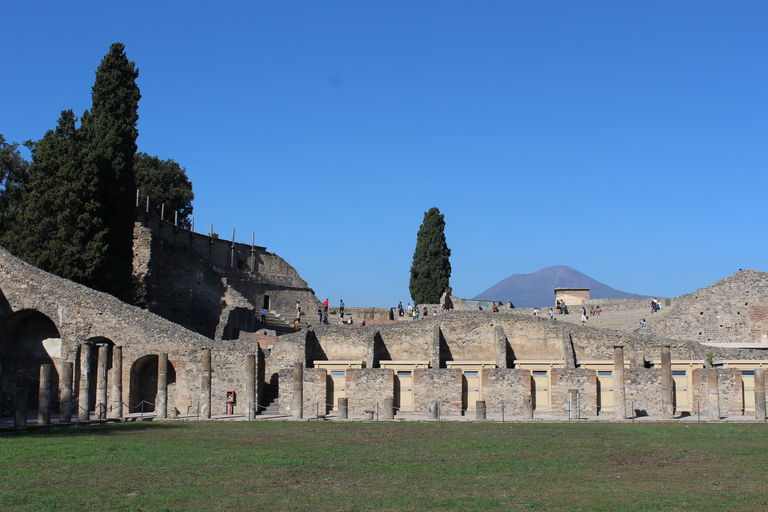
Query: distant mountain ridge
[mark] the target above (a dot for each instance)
(538, 289)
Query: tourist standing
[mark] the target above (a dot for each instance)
(583, 316)
(325, 305)
(400, 308)
(341, 308)
(264, 315)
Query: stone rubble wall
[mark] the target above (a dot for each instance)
(509, 387)
(734, 309)
(642, 391)
(437, 385)
(209, 285)
(368, 387)
(730, 391)
(582, 379)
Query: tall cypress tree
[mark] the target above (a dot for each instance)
(59, 229)
(431, 268)
(77, 213)
(109, 144)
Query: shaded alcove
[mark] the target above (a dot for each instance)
(144, 384)
(29, 340)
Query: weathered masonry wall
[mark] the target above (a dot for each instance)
(581, 379)
(734, 309)
(509, 388)
(46, 320)
(729, 387)
(643, 391)
(209, 285)
(438, 385)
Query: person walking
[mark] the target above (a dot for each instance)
(583, 316)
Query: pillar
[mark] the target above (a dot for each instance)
(161, 402)
(713, 395)
(343, 410)
(298, 391)
(250, 385)
(432, 411)
(65, 391)
(22, 392)
(667, 407)
(205, 409)
(44, 396)
(760, 394)
(619, 398)
(101, 382)
(528, 407)
(389, 408)
(117, 382)
(83, 401)
(480, 410)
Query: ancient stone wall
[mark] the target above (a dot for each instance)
(368, 387)
(209, 285)
(642, 391)
(582, 379)
(733, 309)
(508, 387)
(437, 385)
(315, 391)
(730, 391)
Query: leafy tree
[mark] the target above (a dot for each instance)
(431, 268)
(164, 182)
(13, 176)
(109, 144)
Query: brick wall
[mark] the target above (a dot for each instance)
(730, 391)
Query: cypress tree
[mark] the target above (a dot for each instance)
(109, 144)
(431, 268)
(164, 182)
(59, 229)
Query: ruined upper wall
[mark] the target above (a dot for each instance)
(734, 309)
(211, 286)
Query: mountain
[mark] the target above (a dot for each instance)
(538, 289)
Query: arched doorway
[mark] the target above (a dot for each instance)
(143, 390)
(30, 339)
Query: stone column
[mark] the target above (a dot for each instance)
(205, 409)
(22, 395)
(432, 411)
(528, 407)
(619, 399)
(713, 395)
(343, 410)
(760, 394)
(500, 347)
(101, 382)
(250, 385)
(65, 390)
(667, 407)
(117, 382)
(161, 402)
(480, 410)
(436, 346)
(389, 408)
(84, 401)
(298, 391)
(44, 396)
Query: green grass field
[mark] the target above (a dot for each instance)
(386, 466)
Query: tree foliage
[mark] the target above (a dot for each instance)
(431, 268)
(74, 209)
(164, 182)
(13, 177)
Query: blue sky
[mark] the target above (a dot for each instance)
(628, 140)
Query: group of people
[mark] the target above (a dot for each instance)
(413, 312)
(655, 305)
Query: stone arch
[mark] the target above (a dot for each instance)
(29, 339)
(143, 384)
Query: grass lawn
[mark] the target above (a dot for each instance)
(386, 466)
